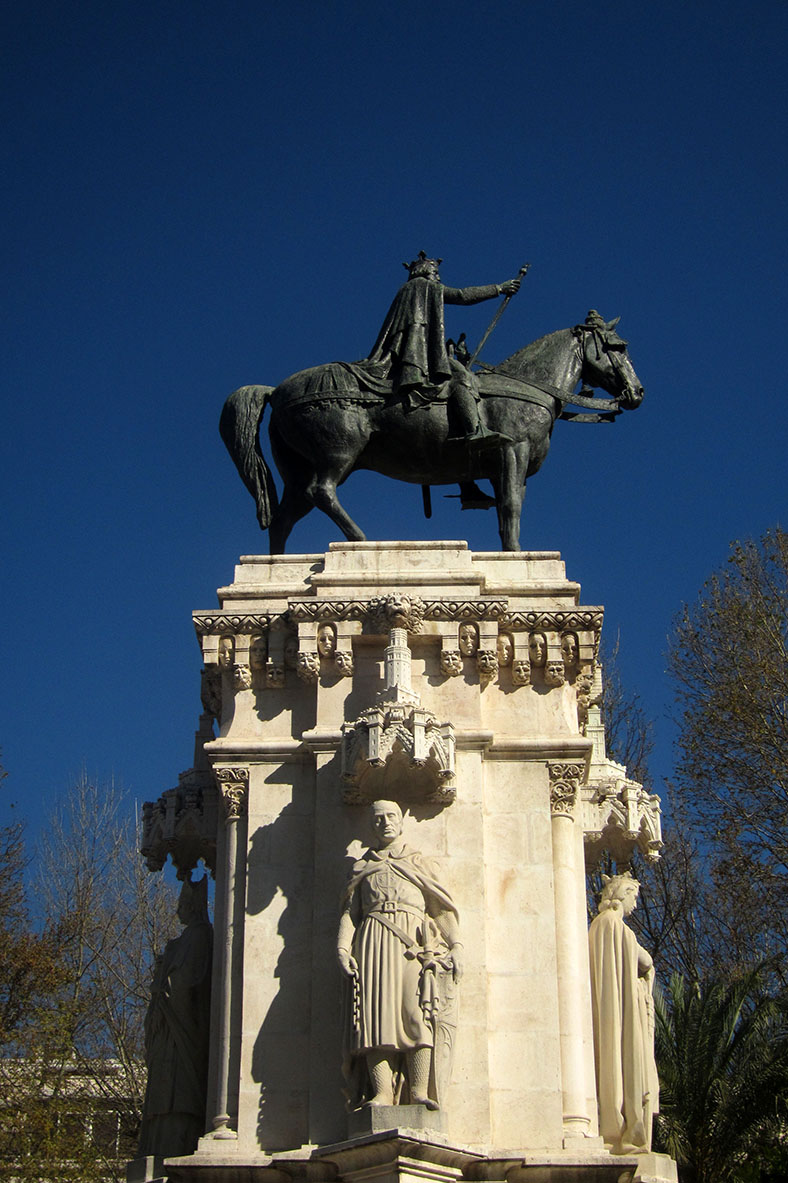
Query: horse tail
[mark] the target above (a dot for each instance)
(239, 426)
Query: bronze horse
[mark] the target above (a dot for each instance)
(325, 424)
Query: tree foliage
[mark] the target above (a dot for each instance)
(722, 1052)
(729, 661)
(72, 1074)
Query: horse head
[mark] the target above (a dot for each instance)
(605, 361)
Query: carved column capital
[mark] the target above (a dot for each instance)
(564, 786)
(233, 784)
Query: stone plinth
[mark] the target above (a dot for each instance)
(460, 682)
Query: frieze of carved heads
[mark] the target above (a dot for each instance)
(620, 817)
(233, 782)
(181, 825)
(564, 786)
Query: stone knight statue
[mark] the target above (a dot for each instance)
(622, 983)
(399, 949)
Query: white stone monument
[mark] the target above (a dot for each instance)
(464, 688)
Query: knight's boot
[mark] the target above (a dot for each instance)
(382, 1078)
(419, 1077)
(472, 497)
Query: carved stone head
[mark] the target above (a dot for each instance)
(537, 649)
(291, 652)
(505, 649)
(468, 639)
(242, 677)
(621, 889)
(570, 650)
(521, 672)
(554, 673)
(226, 648)
(258, 652)
(386, 821)
(326, 640)
(451, 662)
(344, 662)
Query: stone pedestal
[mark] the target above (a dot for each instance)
(461, 685)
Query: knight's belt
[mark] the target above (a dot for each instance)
(391, 907)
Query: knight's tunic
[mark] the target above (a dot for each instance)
(389, 894)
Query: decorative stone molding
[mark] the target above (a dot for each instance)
(621, 816)
(396, 748)
(233, 782)
(580, 619)
(564, 785)
(182, 823)
(318, 609)
(216, 623)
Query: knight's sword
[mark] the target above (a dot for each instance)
(522, 273)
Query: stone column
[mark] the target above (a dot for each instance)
(564, 782)
(233, 786)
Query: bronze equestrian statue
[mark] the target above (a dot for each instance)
(415, 410)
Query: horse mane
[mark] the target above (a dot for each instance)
(534, 356)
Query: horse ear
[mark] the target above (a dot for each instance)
(612, 323)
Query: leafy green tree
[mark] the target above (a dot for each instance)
(722, 1055)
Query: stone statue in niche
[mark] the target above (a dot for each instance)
(398, 946)
(622, 984)
(468, 639)
(176, 1033)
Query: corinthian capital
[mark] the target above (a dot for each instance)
(564, 785)
(233, 784)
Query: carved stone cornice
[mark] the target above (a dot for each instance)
(233, 782)
(555, 620)
(229, 623)
(564, 786)
(374, 612)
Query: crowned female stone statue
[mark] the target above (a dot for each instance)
(176, 1033)
(622, 982)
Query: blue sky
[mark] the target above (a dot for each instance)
(201, 195)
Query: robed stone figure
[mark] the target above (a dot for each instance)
(622, 983)
(398, 947)
(176, 1033)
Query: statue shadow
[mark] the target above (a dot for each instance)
(295, 878)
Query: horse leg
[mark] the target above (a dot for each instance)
(509, 485)
(293, 506)
(322, 492)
